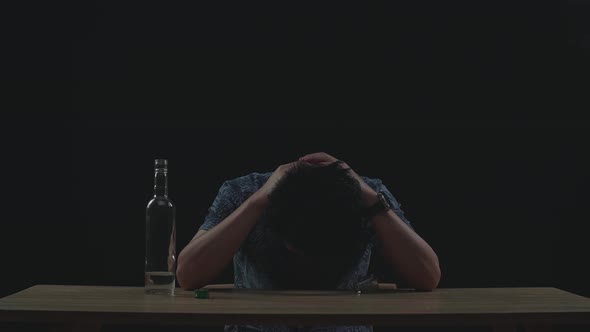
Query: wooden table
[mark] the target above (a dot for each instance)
(86, 307)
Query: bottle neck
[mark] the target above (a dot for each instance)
(161, 183)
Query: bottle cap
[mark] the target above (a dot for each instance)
(161, 162)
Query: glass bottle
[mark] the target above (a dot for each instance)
(160, 236)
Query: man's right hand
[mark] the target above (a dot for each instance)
(261, 196)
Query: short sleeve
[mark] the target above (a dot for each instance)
(395, 205)
(231, 195)
(378, 186)
(224, 204)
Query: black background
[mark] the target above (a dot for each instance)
(501, 207)
(471, 113)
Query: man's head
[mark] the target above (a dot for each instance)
(316, 211)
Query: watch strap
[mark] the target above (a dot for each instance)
(380, 206)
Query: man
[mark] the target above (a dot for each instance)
(311, 224)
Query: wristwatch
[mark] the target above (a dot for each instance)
(382, 205)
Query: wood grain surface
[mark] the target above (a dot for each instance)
(459, 306)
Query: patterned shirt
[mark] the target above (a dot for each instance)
(249, 271)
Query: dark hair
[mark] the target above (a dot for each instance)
(318, 210)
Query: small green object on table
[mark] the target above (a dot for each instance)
(202, 293)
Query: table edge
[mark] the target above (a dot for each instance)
(196, 319)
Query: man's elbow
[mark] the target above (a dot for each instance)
(181, 277)
(184, 277)
(187, 282)
(430, 280)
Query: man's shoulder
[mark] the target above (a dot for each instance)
(374, 183)
(247, 184)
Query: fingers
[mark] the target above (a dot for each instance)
(289, 165)
(285, 167)
(318, 158)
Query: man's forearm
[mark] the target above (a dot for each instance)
(209, 252)
(409, 255)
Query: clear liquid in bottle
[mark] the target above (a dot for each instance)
(160, 244)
